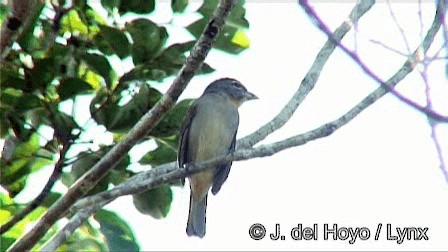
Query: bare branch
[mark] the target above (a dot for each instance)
(146, 124)
(442, 161)
(400, 29)
(432, 123)
(412, 61)
(309, 81)
(388, 48)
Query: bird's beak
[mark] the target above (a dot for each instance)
(249, 96)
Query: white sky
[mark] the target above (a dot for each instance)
(380, 168)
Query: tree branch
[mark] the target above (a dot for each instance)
(145, 125)
(310, 79)
(75, 222)
(43, 194)
(167, 173)
(22, 12)
(441, 8)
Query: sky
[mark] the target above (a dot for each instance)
(381, 168)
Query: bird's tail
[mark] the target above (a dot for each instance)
(196, 217)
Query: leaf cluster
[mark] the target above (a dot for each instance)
(63, 79)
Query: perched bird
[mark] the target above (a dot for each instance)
(209, 131)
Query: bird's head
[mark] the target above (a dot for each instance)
(232, 88)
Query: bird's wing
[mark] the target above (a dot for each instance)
(183, 157)
(222, 171)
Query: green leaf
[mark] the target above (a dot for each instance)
(43, 72)
(80, 4)
(118, 118)
(26, 159)
(78, 242)
(167, 64)
(27, 40)
(110, 5)
(84, 163)
(60, 53)
(148, 39)
(137, 6)
(70, 87)
(8, 209)
(36, 214)
(11, 77)
(27, 102)
(16, 123)
(52, 197)
(4, 124)
(179, 5)
(236, 15)
(71, 22)
(155, 202)
(6, 241)
(164, 153)
(112, 41)
(118, 176)
(42, 159)
(176, 53)
(9, 97)
(93, 19)
(100, 65)
(172, 121)
(4, 10)
(231, 39)
(64, 125)
(86, 160)
(118, 173)
(19, 101)
(17, 186)
(118, 234)
(206, 69)
(143, 73)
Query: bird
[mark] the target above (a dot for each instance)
(209, 131)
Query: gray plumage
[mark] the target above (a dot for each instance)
(209, 131)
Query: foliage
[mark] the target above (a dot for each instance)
(61, 82)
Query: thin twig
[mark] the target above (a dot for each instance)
(397, 24)
(376, 42)
(323, 27)
(432, 124)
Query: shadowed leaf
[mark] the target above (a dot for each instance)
(155, 202)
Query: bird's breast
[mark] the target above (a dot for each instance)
(212, 132)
